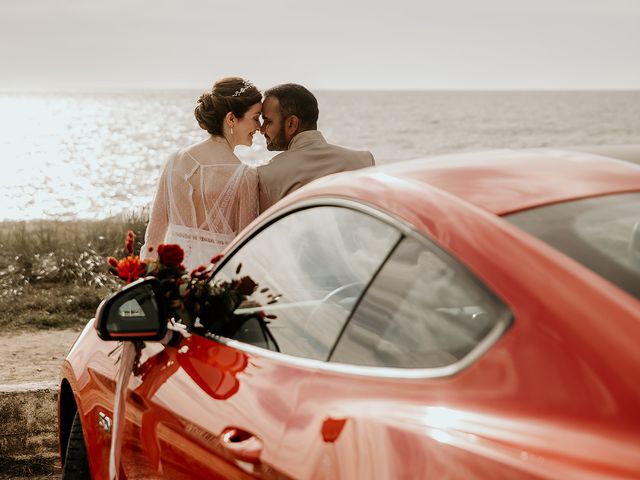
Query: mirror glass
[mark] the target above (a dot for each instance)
(134, 312)
(130, 309)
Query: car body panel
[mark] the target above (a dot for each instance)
(555, 397)
(184, 396)
(546, 371)
(626, 152)
(505, 181)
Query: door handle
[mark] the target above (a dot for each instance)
(241, 445)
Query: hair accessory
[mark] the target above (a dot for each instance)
(246, 85)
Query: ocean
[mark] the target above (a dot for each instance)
(94, 155)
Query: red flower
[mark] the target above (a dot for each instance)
(197, 271)
(113, 262)
(128, 243)
(170, 255)
(131, 269)
(217, 258)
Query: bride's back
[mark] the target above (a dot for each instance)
(208, 188)
(205, 195)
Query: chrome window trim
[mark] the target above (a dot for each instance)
(406, 229)
(374, 372)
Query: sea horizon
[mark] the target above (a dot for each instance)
(95, 153)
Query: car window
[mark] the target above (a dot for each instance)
(602, 233)
(423, 310)
(320, 260)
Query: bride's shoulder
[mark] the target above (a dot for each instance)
(177, 154)
(247, 169)
(171, 159)
(195, 149)
(249, 172)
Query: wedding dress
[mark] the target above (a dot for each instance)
(201, 204)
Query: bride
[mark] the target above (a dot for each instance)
(205, 195)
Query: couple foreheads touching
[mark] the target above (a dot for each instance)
(206, 195)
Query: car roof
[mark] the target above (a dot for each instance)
(506, 181)
(627, 152)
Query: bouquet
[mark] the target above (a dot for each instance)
(204, 306)
(194, 299)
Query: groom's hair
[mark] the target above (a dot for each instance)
(296, 100)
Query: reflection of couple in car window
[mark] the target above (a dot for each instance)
(320, 259)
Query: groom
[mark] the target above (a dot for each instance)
(290, 115)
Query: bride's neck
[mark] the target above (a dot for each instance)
(222, 140)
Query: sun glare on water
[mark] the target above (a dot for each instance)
(90, 156)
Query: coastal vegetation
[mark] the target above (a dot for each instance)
(53, 273)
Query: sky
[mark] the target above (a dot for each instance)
(323, 44)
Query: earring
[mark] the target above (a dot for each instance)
(231, 130)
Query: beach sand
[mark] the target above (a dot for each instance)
(34, 356)
(30, 365)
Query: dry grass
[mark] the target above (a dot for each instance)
(53, 273)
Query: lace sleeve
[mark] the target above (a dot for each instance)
(248, 201)
(158, 217)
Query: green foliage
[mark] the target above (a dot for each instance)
(53, 274)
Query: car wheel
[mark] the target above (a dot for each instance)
(76, 465)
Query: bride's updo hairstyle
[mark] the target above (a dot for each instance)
(230, 94)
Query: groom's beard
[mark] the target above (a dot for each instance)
(279, 143)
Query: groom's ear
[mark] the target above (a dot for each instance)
(291, 125)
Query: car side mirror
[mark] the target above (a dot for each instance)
(134, 313)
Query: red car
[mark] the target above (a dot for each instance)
(465, 316)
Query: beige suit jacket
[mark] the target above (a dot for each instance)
(309, 157)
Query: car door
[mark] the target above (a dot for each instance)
(375, 410)
(218, 407)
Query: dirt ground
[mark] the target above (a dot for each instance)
(34, 356)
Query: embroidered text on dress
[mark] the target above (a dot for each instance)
(201, 238)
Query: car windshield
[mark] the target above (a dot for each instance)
(602, 233)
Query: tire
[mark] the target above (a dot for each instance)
(76, 465)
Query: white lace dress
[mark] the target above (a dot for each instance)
(205, 196)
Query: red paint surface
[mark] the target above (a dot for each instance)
(557, 396)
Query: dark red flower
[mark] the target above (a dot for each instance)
(217, 258)
(113, 262)
(170, 255)
(131, 269)
(128, 243)
(246, 285)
